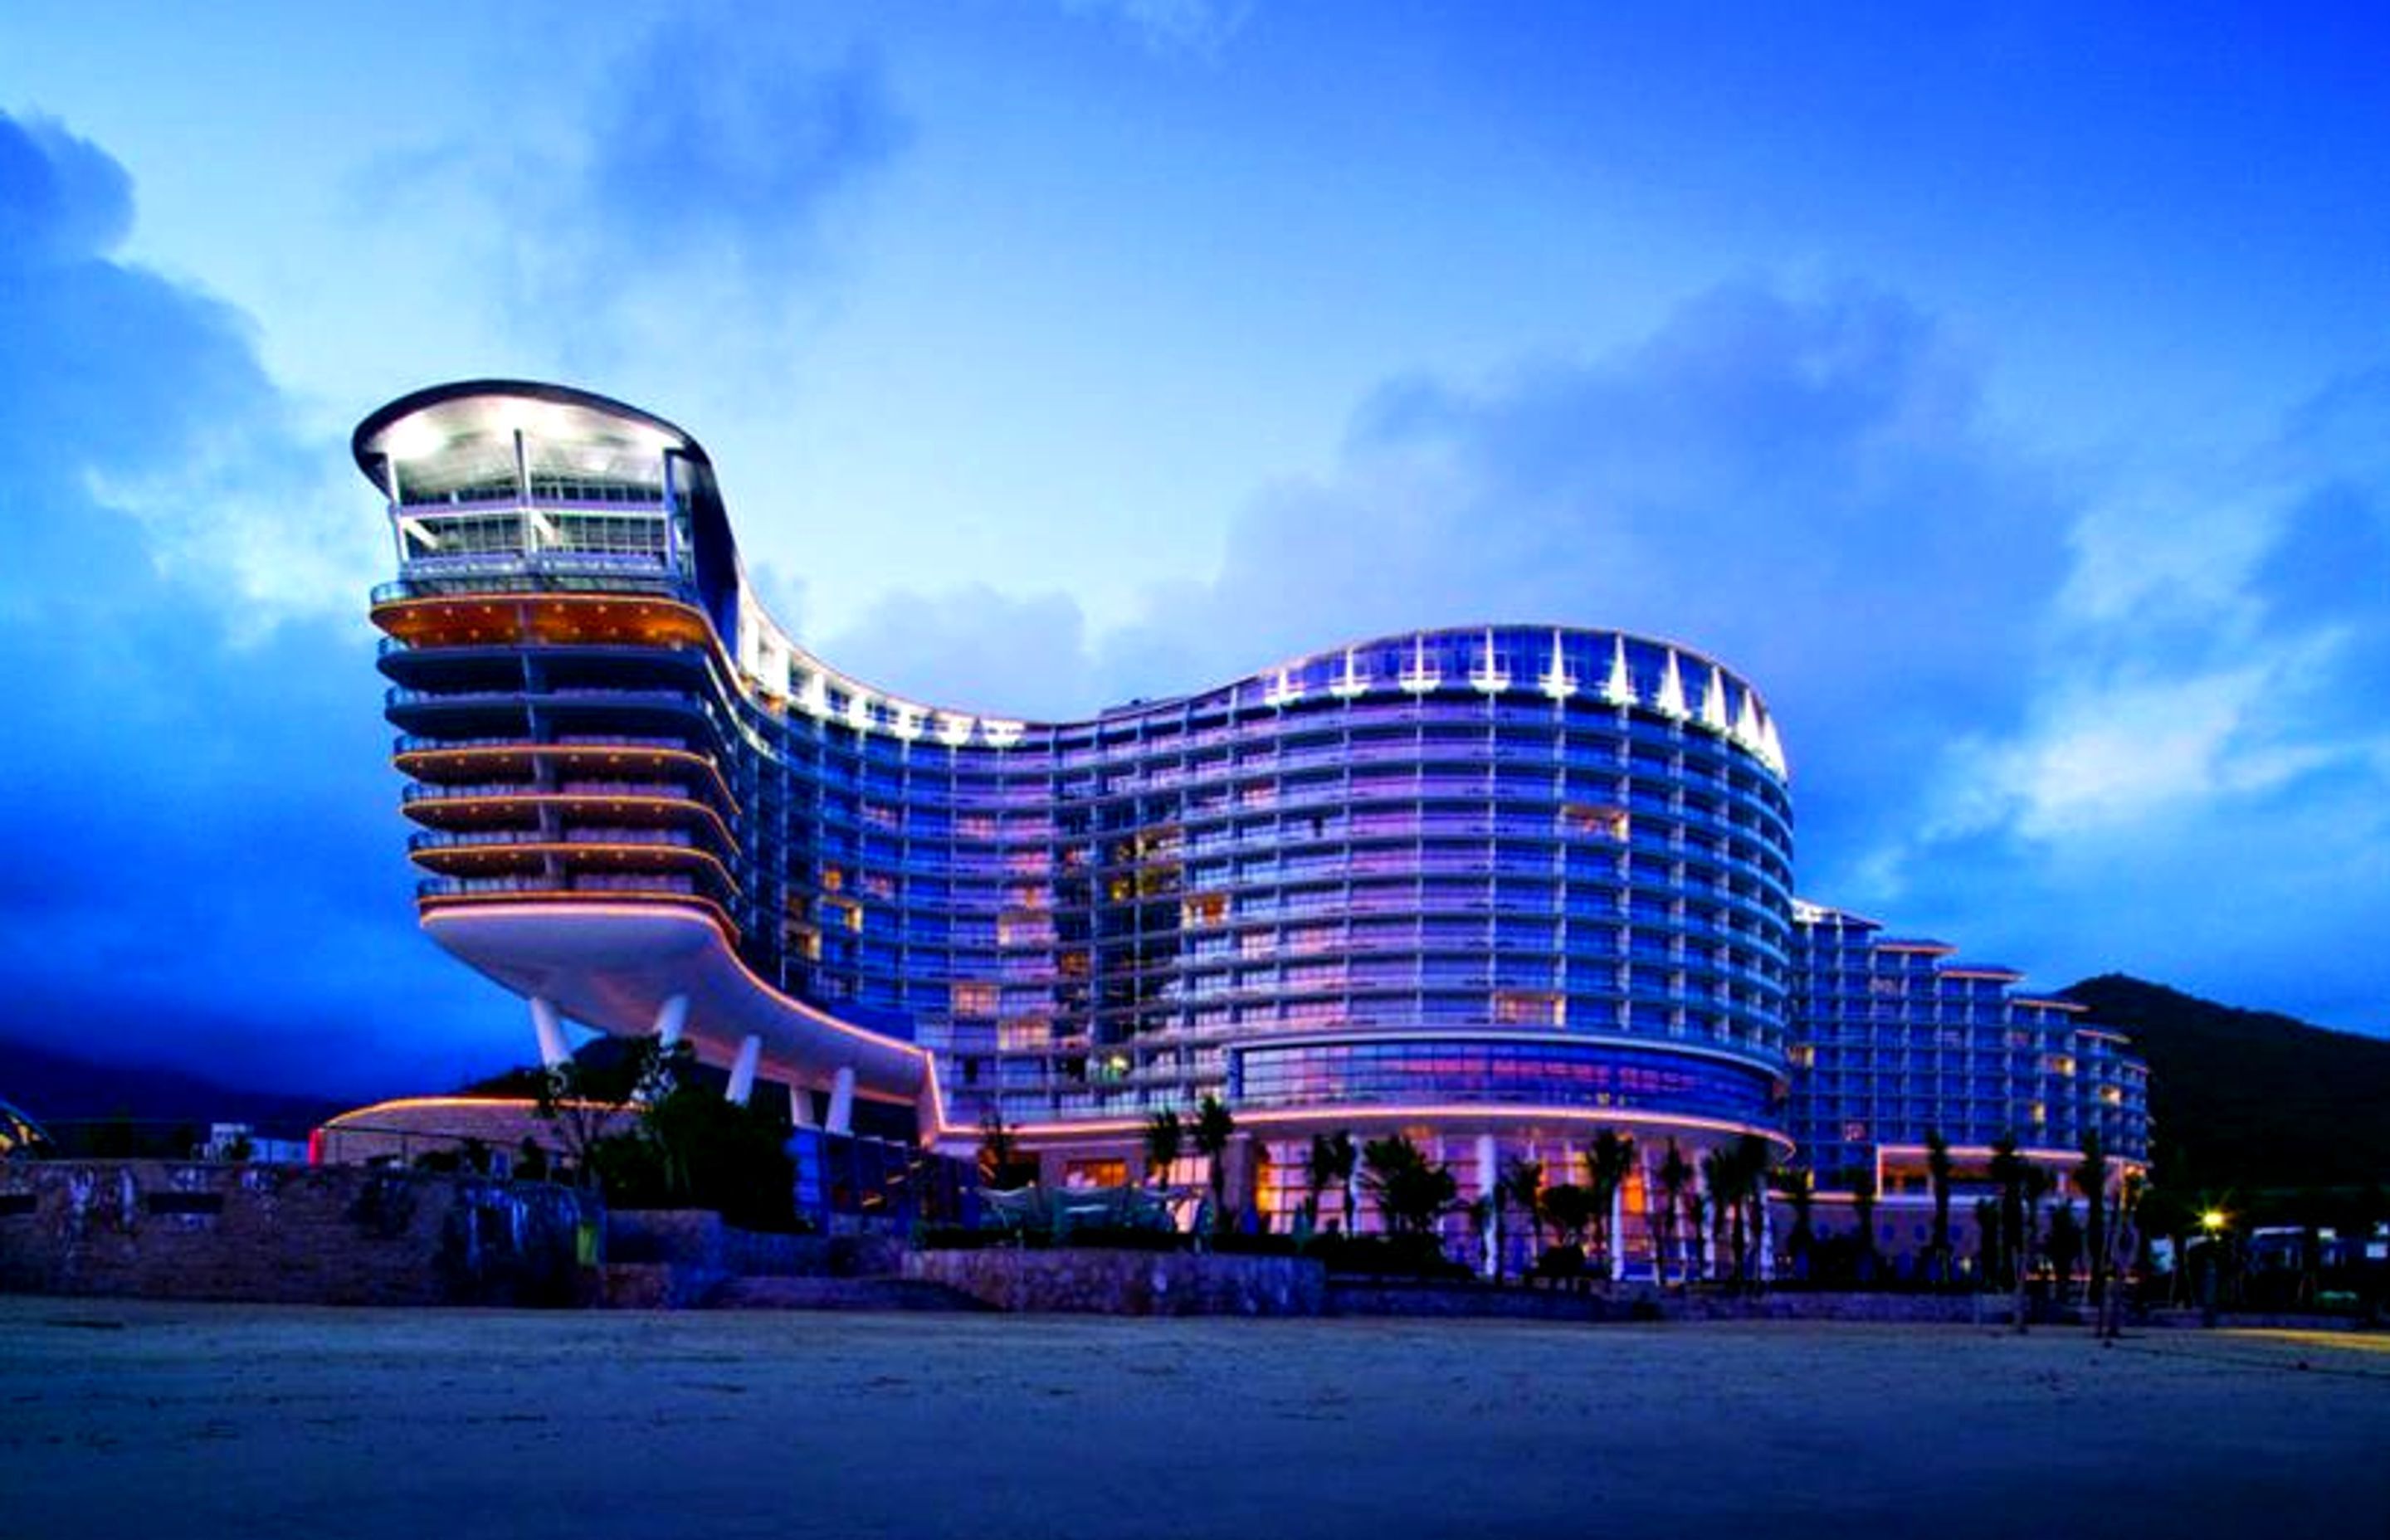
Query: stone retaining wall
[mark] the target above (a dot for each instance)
(307, 1235)
(1093, 1281)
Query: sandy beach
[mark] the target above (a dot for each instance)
(128, 1418)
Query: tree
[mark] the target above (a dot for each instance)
(2033, 1186)
(1990, 1262)
(1607, 1161)
(996, 1148)
(1412, 1192)
(1798, 1185)
(1331, 1164)
(1165, 1137)
(2064, 1247)
(1863, 1196)
(586, 1097)
(1569, 1209)
(1753, 1158)
(1523, 1184)
(1939, 1169)
(2008, 1172)
(1675, 1186)
(2091, 1181)
(1718, 1178)
(1215, 1126)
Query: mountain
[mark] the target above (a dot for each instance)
(62, 1090)
(2250, 1099)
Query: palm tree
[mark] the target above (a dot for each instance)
(1213, 1128)
(1863, 1195)
(1939, 1169)
(1570, 1209)
(1331, 1164)
(2064, 1248)
(1165, 1135)
(996, 1147)
(1989, 1258)
(1718, 1179)
(1607, 1161)
(1753, 1157)
(1522, 1183)
(1675, 1183)
(2008, 1169)
(2033, 1186)
(2091, 1181)
(1411, 1190)
(1798, 1185)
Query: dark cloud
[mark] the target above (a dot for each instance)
(715, 139)
(204, 854)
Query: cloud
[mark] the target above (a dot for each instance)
(675, 204)
(2200, 788)
(205, 862)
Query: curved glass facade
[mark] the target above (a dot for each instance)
(1416, 1071)
(1557, 835)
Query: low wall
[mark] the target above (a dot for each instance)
(698, 1238)
(300, 1234)
(1093, 1281)
(1855, 1305)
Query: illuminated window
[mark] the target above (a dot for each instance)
(974, 999)
(2114, 1095)
(2040, 1112)
(2058, 1064)
(1095, 1174)
(1203, 909)
(1594, 820)
(1024, 1033)
(1802, 1054)
(833, 880)
(842, 911)
(1530, 1007)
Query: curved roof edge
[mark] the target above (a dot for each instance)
(382, 417)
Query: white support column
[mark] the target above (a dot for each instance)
(1489, 1187)
(554, 1051)
(1767, 1235)
(801, 1106)
(1618, 1231)
(743, 1073)
(841, 1102)
(671, 1017)
(1709, 1220)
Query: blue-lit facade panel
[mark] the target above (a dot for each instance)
(1547, 1073)
(1893, 1039)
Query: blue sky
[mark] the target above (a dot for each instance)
(2009, 395)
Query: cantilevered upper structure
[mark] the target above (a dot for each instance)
(1500, 887)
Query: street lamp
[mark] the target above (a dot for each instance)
(2211, 1221)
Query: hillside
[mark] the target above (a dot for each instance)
(60, 1090)
(2252, 1099)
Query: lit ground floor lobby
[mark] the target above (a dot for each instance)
(132, 1418)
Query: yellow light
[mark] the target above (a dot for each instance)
(2211, 1221)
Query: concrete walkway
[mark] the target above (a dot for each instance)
(123, 1419)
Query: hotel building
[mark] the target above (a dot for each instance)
(1500, 887)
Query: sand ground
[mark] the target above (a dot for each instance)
(121, 1420)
